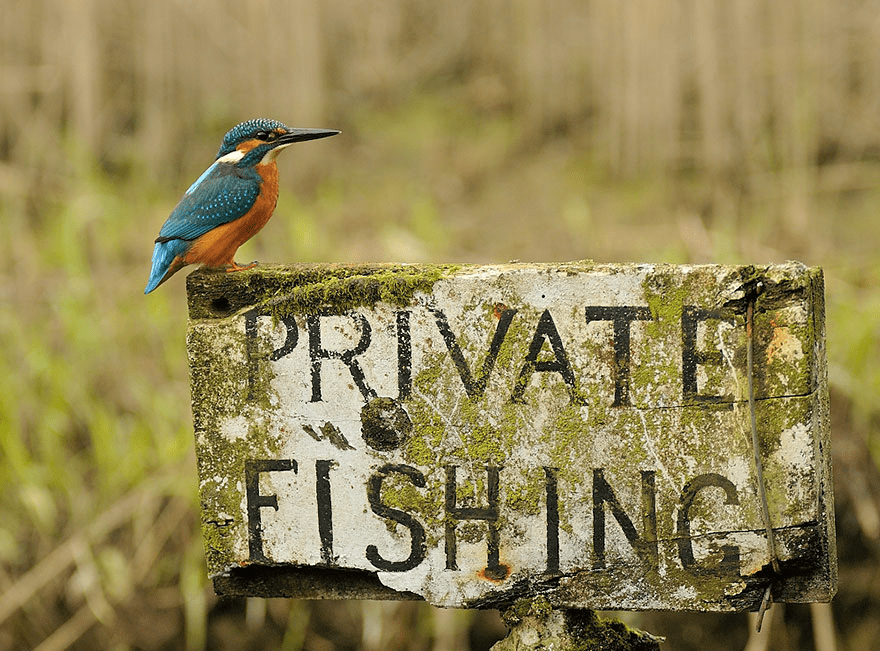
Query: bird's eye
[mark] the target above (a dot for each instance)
(261, 135)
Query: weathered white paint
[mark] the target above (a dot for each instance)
(270, 412)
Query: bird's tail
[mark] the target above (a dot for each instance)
(167, 259)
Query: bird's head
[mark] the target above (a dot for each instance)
(249, 143)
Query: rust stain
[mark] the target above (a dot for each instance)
(780, 342)
(498, 310)
(495, 574)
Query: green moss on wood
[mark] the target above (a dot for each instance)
(310, 288)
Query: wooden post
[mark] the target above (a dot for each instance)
(536, 624)
(475, 435)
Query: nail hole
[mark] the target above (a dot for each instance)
(221, 306)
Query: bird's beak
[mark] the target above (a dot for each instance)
(301, 135)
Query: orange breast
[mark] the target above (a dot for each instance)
(217, 247)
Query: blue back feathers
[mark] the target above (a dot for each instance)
(224, 193)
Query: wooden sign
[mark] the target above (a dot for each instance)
(469, 435)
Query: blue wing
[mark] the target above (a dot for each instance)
(222, 194)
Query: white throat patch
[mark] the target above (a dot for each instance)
(272, 154)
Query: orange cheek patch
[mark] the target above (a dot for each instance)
(248, 145)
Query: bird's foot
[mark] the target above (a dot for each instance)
(235, 266)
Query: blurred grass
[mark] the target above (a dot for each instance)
(738, 133)
(90, 409)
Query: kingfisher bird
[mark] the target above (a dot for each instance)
(229, 203)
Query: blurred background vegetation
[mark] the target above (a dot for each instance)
(479, 131)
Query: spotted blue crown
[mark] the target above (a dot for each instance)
(246, 131)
